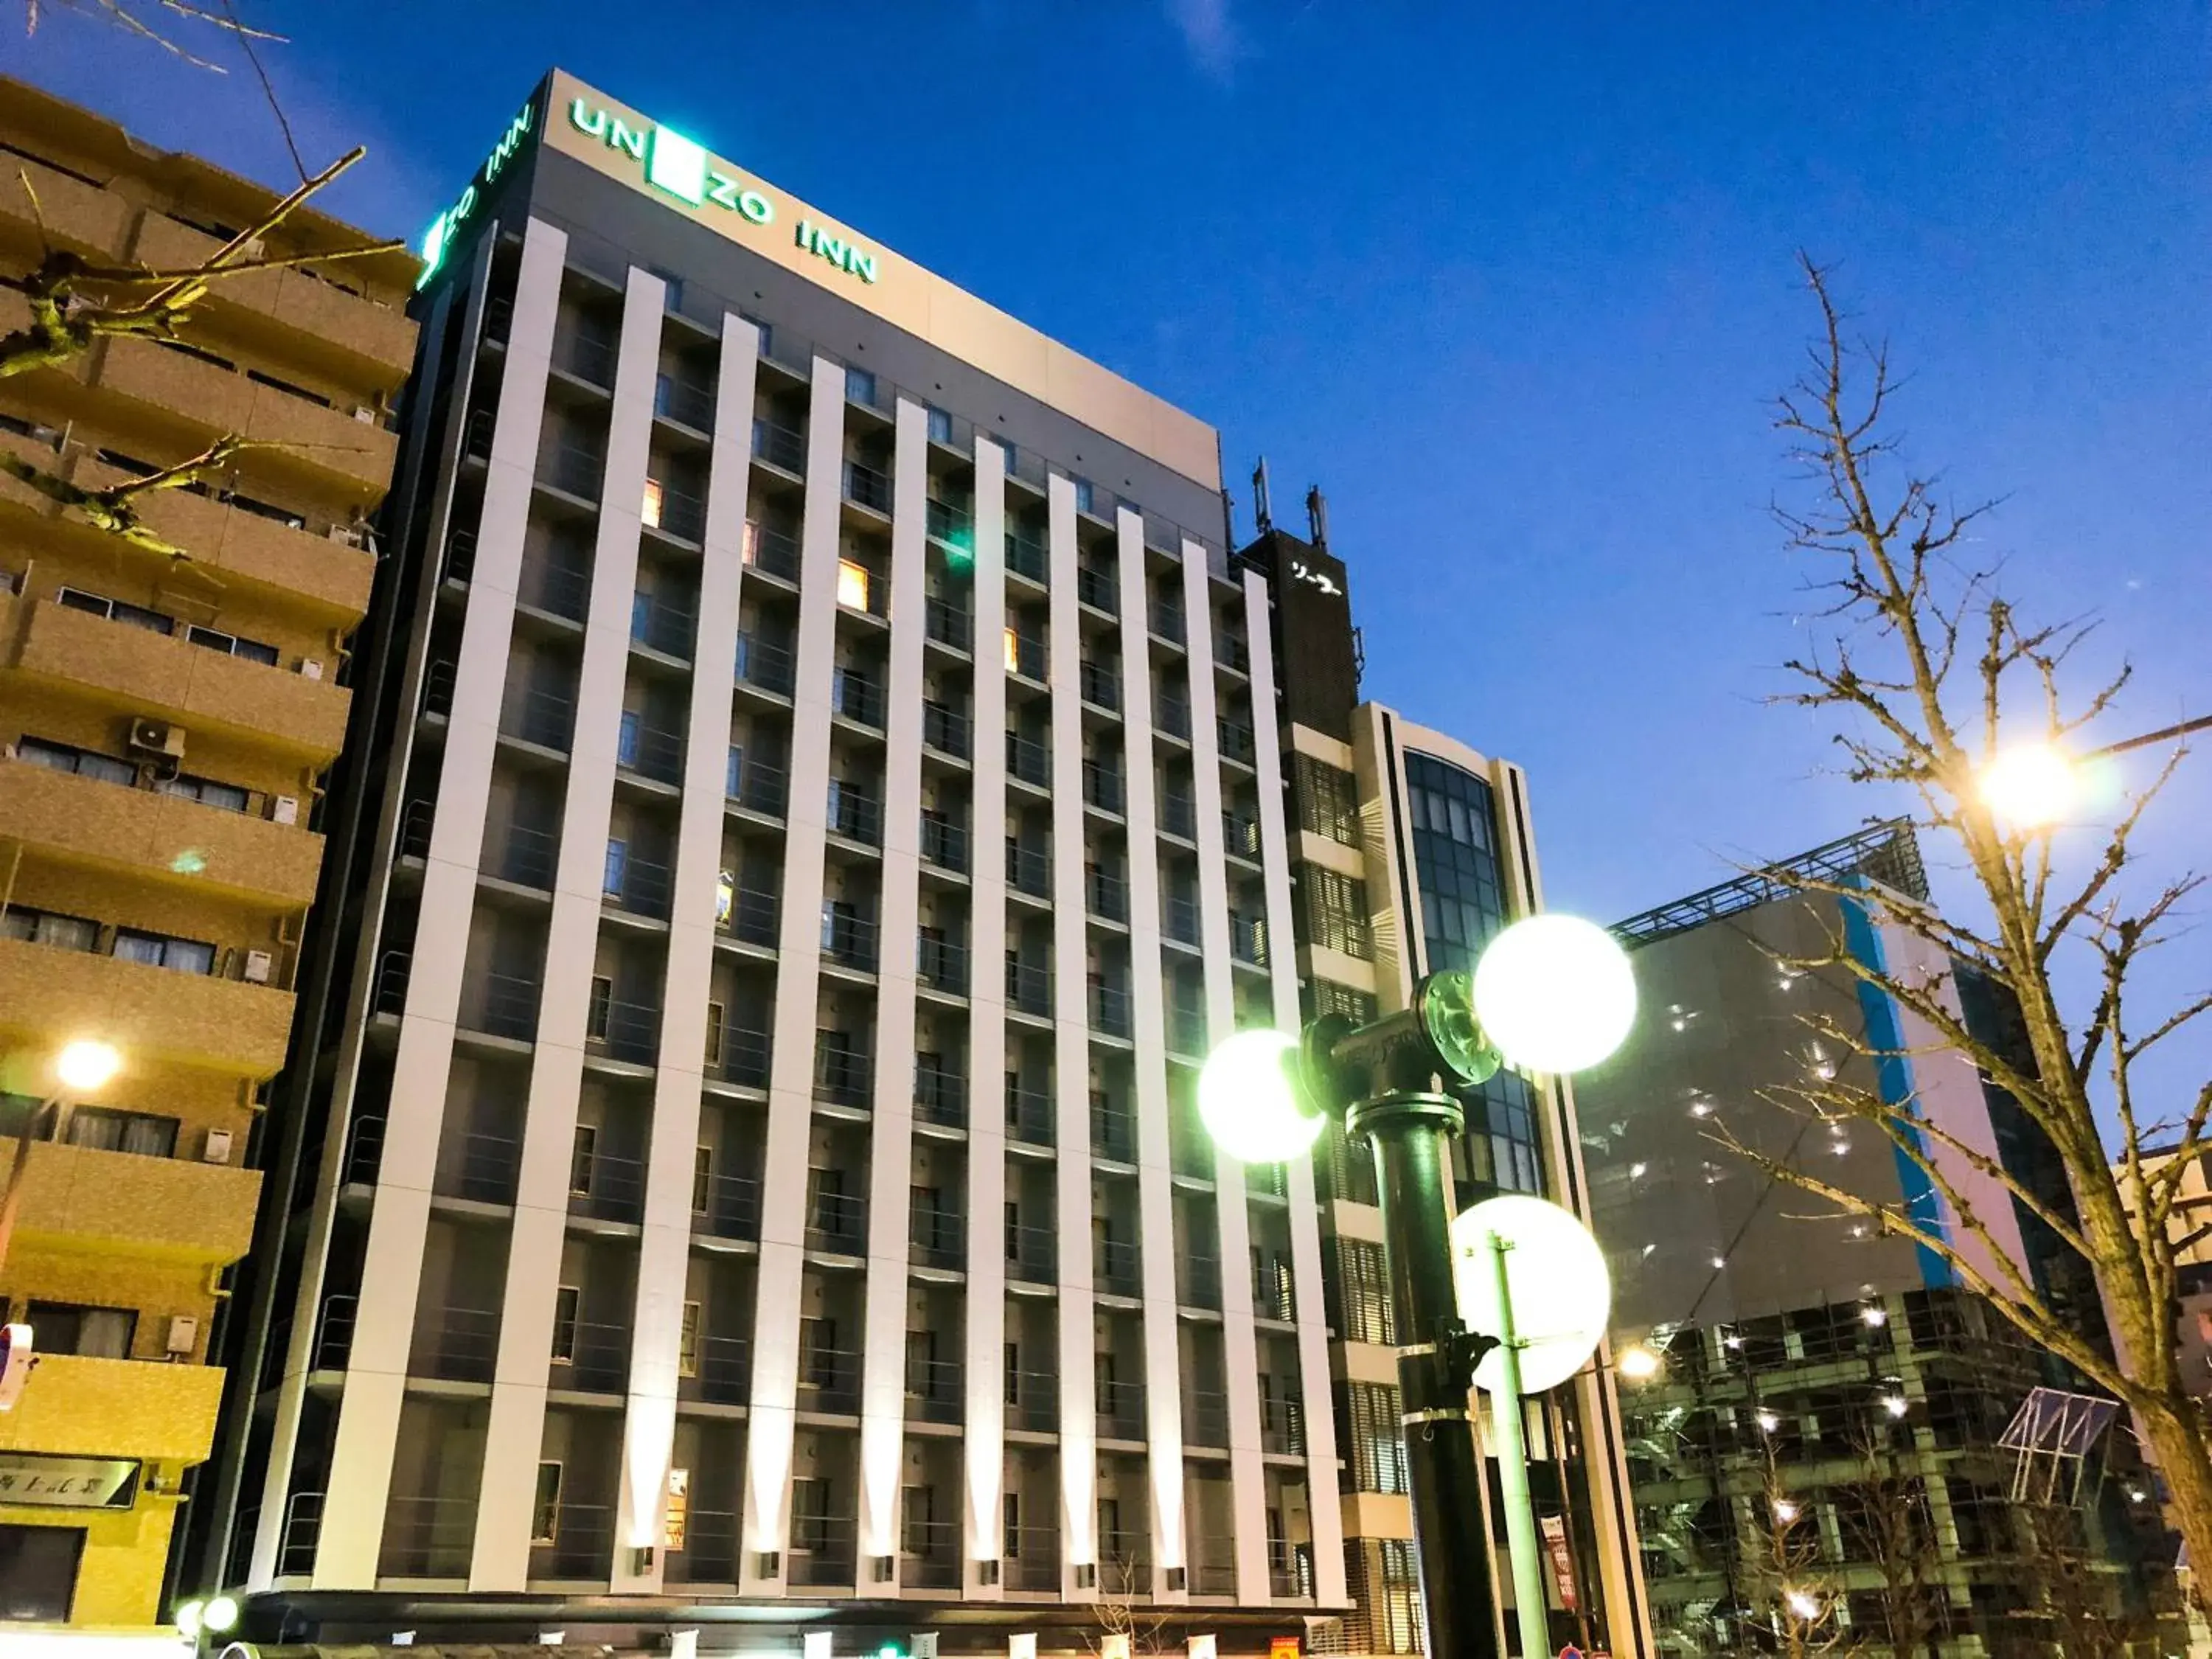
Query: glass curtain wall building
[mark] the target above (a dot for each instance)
(1408, 852)
(825, 802)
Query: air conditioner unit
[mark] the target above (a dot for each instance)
(346, 534)
(311, 668)
(252, 248)
(258, 964)
(216, 1149)
(157, 738)
(285, 809)
(364, 414)
(184, 1334)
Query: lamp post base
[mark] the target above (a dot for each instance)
(1411, 1132)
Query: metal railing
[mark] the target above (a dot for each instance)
(1236, 739)
(1199, 1280)
(949, 523)
(722, 1369)
(929, 1551)
(684, 402)
(393, 970)
(729, 1206)
(608, 1188)
(780, 446)
(459, 1344)
(864, 486)
(573, 470)
(1210, 1569)
(937, 1237)
(1119, 1266)
(943, 844)
(940, 1095)
(841, 1076)
(828, 1381)
(771, 552)
(1290, 1571)
(1171, 715)
(1179, 816)
(545, 717)
(857, 696)
(854, 813)
(364, 1152)
(679, 515)
(828, 1555)
(764, 663)
(835, 1222)
(1033, 1401)
(709, 1555)
(1166, 622)
(1205, 1416)
(1027, 761)
(753, 917)
(1096, 588)
(651, 751)
(1026, 556)
(1113, 1132)
(1272, 1290)
(944, 729)
(1125, 1563)
(660, 625)
(1109, 1008)
(438, 682)
(1247, 938)
(1031, 1253)
(501, 1006)
(1026, 657)
(941, 964)
(1179, 918)
(426, 1537)
(559, 590)
(1240, 835)
(640, 886)
(1029, 986)
(527, 857)
(582, 1546)
(1282, 1426)
(1102, 786)
(1029, 869)
(1234, 655)
(1030, 1117)
(1106, 894)
(758, 784)
(949, 624)
(628, 1031)
(848, 940)
(1100, 685)
(483, 1168)
(588, 359)
(334, 1327)
(744, 1057)
(1186, 1029)
(1034, 1562)
(589, 1358)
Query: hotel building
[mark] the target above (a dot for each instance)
(168, 704)
(820, 797)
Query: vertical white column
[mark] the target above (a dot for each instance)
(882, 1372)
(1078, 1384)
(771, 1423)
(985, 1441)
(1320, 1419)
(1148, 1024)
(515, 1431)
(376, 1377)
(1247, 1486)
(665, 1248)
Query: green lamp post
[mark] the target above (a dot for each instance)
(1550, 994)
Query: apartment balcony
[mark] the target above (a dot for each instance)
(943, 844)
(663, 625)
(327, 574)
(854, 813)
(651, 751)
(1031, 1253)
(1106, 894)
(485, 1168)
(728, 1207)
(742, 1057)
(71, 212)
(1272, 1294)
(1211, 1565)
(687, 402)
(868, 487)
(1247, 939)
(1029, 987)
(1290, 1571)
(579, 1546)
(125, 1408)
(1102, 786)
(1179, 816)
(829, 1380)
(355, 455)
(453, 1345)
(639, 885)
(937, 1237)
(858, 697)
(1118, 1267)
(1110, 1009)
(849, 941)
(590, 1357)
(1033, 1403)
(722, 1371)
(1282, 1426)
(771, 552)
(1240, 835)
(946, 729)
(1027, 761)
(780, 447)
(497, 1004)
(836, 1222)
(929, 1551)
(1179, 919)
(1032, 1563)
(525, 856)
(607, 1187)
(1029, 869)
(1199, 1280)
(1205, 1416)
(1113, 1132)
(576, 471)
(1125, 1563)
(1096, 589)
(1026, 556)
(167, 676)
(1030, 1117)
(538, 715)
(132, 1203)
(226, 1025)
(949, 624)
(950, 525)
(624, 1031)
(709, 1555)
(424, 1537)
(933, 1391)
(765, 664)
(825, 1551)
(1171, 716)
(1100, 685)
(144, 831)
(1236, 739)
(941, 964)
(843, 1076)
(940, 1096)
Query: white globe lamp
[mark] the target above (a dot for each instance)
(87, 1066)
(1554, 993)
(1249, 1103)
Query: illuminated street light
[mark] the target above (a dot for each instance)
(1550, 994)
(88, 1065)
(83, 1066)
(2034, 785)
(1637, 1364)
(1803, 1603)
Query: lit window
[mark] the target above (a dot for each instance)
(1013, 652)
(687, 1340)
(852, 584)
(651, 508)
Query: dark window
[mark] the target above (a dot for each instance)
(105, 1129)
(186, 956)
(99, 604)
(1336, 907)
(1454, 815)
(49, 927)
(231, 645)
(38, 1573)
(1378, 1453)
(1364, 1291)
(288, 387)
(67, 758)
(71, 1328)
(1328, 799)
(206, 791)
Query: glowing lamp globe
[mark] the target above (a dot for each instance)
(87, 1066)
(1249, 1103)
(220, 1615)
(2030, 787)
(1554, 993)
(1554, 1271)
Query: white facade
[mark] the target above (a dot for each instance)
(762, 1159)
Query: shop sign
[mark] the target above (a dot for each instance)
(68, 1483)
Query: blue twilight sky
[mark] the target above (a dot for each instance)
(1513, 283)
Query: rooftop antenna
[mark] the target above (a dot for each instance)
(1317, 516)
(1262, 510)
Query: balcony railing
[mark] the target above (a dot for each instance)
(857, 696)
(943, 844)
(1236, 739)
(501, 1006)
(1211, 1567)
(364, 1153)
(573, 470)
(1031, 1253)
(940, 1095)
(588, 359)
(582, 1546)
(1272, 1296)
(950, 624)
(426, 1537)
(941, 964)
(938, 1237)
(723, 1367)
(944, 729)
(589, 1358)
(1290, 1571)
(1034, 1563)
(822, 1550)
(628, 1031)
(1026, 556)
(1096, 589)
(334, 1329)
(709, 1555)
(836, 1222)
(1025, 655)
(1247, 938)
(559, 590)
(780, 446)
(1029, 869)
(1186, 1029)
(744, 1057)
(1029, 986)
(1282, 1426)
(1179, 817)
(1172, 716)
(1033, 1402)
(848, 940)
(764, 663)
(607, 1187)
(1102, 786)
(545, 717)
(828, 1379)
(1205, 1416)
(651, 751)
(642, 886)
(1166, 622)
(1240, 835)
(727, 1206)
(679, 515)
(841, 1076)
(752, 919)
(1027, 761)
(864, 486)
(1119, 1266)
(929, 1551)
(1179, 918)
(1106, 894)
(484, 1167)
(950, 525)
(1113, 1132)
(1101, 686)
(1125, 1563)
(758, 785)
(1109, 1008)
(527, 857)
(662, 625)
(458, 1344)
(1029, 1116)
(685, 402)
(854, 813)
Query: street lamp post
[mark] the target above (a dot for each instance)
(1550, 994)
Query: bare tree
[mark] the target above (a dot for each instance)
(150, 21)
(1935, 674)
(1884, 1517)
(1786, 1586)
(2081, 1610)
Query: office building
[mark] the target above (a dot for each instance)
(2192, 1206)
(822, 800)
(1408, 851)
(168, 702)
(1828, 1428)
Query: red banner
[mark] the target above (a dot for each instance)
(1563, 1562)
